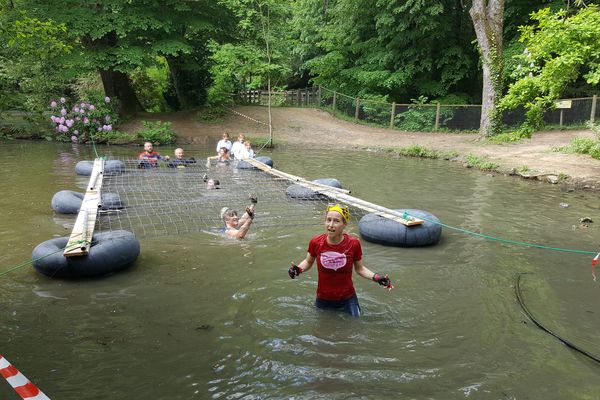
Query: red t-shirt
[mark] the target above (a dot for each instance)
(334, 264)
(151, 158)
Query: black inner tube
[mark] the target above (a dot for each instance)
(542, 327)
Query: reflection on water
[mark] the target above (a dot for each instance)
(202, 317)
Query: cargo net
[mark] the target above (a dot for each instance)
(163, 201)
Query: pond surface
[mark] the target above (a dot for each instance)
(198, 317)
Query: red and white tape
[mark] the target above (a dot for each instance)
(19, 382)
(246, 116)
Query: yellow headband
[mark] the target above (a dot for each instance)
(345, 213)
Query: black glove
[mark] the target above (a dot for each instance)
(253, 199)
(383, 281)
(294, 271)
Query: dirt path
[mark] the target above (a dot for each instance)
(313, 127)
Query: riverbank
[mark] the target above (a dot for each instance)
(533, 158)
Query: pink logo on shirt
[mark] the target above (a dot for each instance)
(333, 260)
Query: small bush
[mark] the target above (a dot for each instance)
(480, 163)
(81, 121)
(584, 145)
(418, 151)
(157, 132)
(421, 116)
(505, 137)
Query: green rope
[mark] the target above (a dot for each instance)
(407, 216)
(94, 145)
(28, 262)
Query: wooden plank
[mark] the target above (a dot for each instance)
(296, 179)
(81, 237)
(340, 194)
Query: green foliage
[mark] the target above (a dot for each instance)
(375, 108)
(240, 67)
(261, 142)
(258, 60)
(87, 86)
(81, 120)
(481, 163)
(418, 151)
(118, 37)
(585, 145)
(505, 137)
(397, 49)
(21, 125)
(421, 116)
(157, 132)
(424, 152)
(150, 83)
(560, 48)
(33, 60)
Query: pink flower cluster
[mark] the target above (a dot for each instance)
(82, 119)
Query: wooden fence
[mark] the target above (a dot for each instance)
(417, 117)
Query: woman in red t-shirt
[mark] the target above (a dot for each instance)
(336, 253)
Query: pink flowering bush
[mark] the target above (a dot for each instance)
(82, 121)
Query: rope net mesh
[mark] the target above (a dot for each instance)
(165, 201)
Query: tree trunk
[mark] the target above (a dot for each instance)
(488, 20)
(175, 72)
(117, 84)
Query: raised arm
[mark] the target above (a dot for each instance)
(250, 209)
(244, 227)
(210, 158)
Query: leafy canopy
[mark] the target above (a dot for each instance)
(560, 49)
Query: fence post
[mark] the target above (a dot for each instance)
(259, 97)
(560, 121)
(298, 98)
(356, 109)
(393, 114)
(319, 97)
(593, 112)
(437, 117)
(334, 101)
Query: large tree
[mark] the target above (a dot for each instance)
(488, 20)
(118, 36)
(397, 49)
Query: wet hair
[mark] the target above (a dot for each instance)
(225, 149)
(227, 213)
(212, 183)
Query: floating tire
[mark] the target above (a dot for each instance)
(110, 252)
(376, 229)
(263, 159)
(303, 193)
(111, 167)
(69, 202)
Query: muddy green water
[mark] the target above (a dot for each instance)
(197, 319)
